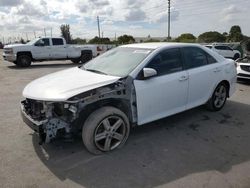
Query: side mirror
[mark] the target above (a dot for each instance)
(149, 72)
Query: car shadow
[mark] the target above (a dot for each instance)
(159, 152)
(46, 65)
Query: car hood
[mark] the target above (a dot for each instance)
(15, 45)
(65, 84)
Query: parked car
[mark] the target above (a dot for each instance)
(125, 87)
(225, 51)
(243, 68)
(46, 48)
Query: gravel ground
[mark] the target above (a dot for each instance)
(196, 148)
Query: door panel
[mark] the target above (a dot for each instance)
(161, 96)
(59, 50)
(165, 94)
(204, 72)
(42, 49)
(202, 81)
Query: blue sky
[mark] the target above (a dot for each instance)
(140, 18)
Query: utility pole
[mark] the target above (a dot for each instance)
(98, 24)
(51, 32)
(44, 32)
(35, 34)
(168, 20)
(27, 37)
(102, 34)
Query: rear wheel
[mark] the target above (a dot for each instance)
(76, 61)
(105, 130)
(86, 56)
(218, 100)
(23, 60)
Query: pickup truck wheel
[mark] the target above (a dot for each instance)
(76, 61)
(105, 130)
(85, 57)
(236, 56)
(219, 98)
(23, 61)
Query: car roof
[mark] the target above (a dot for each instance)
(156, 45)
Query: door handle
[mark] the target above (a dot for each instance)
(183, 78)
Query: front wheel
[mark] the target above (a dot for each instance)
(23, 61)
(236, 56)
(219, 97)
(105, 130)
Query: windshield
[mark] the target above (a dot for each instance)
(33, 41)
(117, 62)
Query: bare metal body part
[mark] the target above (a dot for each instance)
(54, 116)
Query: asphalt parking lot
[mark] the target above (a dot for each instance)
(196, 148)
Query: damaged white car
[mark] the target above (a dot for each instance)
(128, 86)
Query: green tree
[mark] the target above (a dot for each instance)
(186, 37)
(211, 36)
(126, 39)
(22, 41)
(79, 41)
(235, 34)
(97, 40)
(65, 33)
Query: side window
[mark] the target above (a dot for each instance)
(42, 42)
(167, 61)
(45, 41)
(221, 47)
(57, 41)
(228, 48)
(194, 57)
(211, 59)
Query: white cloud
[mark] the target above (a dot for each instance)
(10, 3)
(134, 17)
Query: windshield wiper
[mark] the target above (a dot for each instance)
(96, 71)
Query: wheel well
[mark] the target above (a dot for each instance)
(227, 85)
(87, 52)
(121, 104)
(25, 53)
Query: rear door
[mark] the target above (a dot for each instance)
(166, 93)
(58, 49)
(204, 73)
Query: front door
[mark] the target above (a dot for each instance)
(42, 49)
(166, 93)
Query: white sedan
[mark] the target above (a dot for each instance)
(125, 87)
(243, 68)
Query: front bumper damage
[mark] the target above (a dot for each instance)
(46, 123)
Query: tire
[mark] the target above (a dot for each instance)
(236, 56)
(76, 61)
(86, 56)
(105, 130)
(23, 61)
(219, 98)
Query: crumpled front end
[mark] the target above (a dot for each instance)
(47, 118)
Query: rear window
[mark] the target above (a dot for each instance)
(57, 41)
